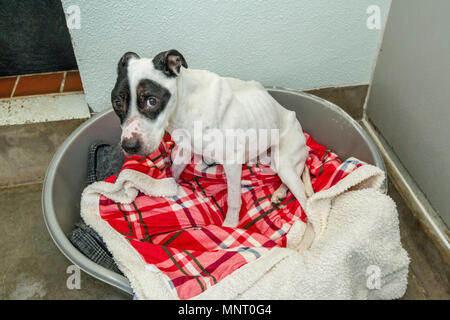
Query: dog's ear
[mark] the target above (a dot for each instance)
(169, 62)
(123, 62)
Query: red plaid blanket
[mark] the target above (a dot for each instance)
(183, 236)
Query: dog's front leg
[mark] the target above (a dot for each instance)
(177, 169)
(179, 162)
(233, 175)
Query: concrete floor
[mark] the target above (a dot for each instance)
(33, 268)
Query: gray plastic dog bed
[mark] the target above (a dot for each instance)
(66, 175)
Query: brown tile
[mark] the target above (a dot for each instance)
(6, 86)
(73, 82)
(351, 99)
(39, 84)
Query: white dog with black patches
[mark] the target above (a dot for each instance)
(152, 96)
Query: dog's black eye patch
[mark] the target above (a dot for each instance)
(152, 98)
(120, 98)
(120, 94)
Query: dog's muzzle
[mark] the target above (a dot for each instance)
(131, 146)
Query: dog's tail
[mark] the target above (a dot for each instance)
(306, 179)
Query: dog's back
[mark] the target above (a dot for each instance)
(258, 108)
(229, 103)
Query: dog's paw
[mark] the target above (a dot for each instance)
(231, 218)
(229, 224)
(279, 195)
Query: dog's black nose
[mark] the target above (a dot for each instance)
(131, 146)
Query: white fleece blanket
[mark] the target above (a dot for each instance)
(350, 249)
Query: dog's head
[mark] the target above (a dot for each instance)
(144, 97)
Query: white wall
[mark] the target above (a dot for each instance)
(300, 44)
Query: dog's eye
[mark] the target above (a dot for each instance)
(151, 101)
(117, 103)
